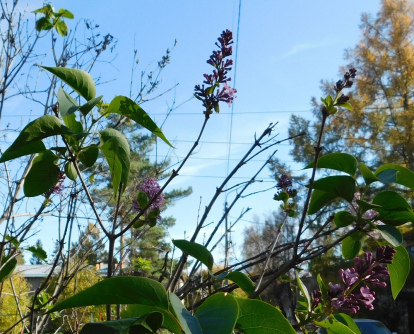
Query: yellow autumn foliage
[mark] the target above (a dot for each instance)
(9, 313)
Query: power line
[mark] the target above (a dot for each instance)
(261, 179)
(219, 142)
(198, 113)
(232, 106)
(220, 159)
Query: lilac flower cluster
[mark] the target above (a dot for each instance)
(346, 83)
(284, 183)
(210, 95)
(58, 187)
(151, 187)
(368, 269)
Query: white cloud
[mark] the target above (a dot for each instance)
(299, 48)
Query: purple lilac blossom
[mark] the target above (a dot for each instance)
(284, 183)
(58, 187)
(349, 276)
(367, 269)
(345, 304)
(385, 254)
(151, 187)
(346, 83)
(366, 297)
(316, 298)
(210, 95)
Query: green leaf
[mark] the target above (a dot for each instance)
(322, 287)
(399, 270)
(305, 292)
(345, 105)
(334, 327)
(282, 196)
(391, 234)
(47, 10)
(88, 156)
(352, 244)
(42, 176)
(197, 251)
(87, 107)
(152, 321)
(405, 177)
(368, 176)
(67, 104)
(188, 321)
(394, 208)
(43, 24)
(75, 126)
(115, 148)
(257, 317)
(154, 213)
(391, 201)
(13, 241)
(387, 176)
(119, 290)
(242, 280)
(396, 218)
(142, 199)
(65, 13)
(347, 321)
(340, 185)
(28, 140)
(338, 161)
(70, 171)
(62, 28)
(7, 268)
(218, 314)
(28, 149)
(38, 251)
(343, 218)
(60, 149)
(126, 107)
(329, 101)
(136, 310)
(46, 155)
(148, 295)
(319, 199)
(79, 80)
(365, 206)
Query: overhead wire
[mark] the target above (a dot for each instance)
(195, 113)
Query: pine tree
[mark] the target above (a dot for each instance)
(34, 259)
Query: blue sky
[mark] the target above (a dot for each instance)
(285, 48)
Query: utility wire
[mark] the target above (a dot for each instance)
(196, 113)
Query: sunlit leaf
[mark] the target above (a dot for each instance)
(188, 321)
(338, 161)
(79, 80)
(399, 270)
(405, 176)
(218, 314)
(197, 251)
(257, 317)
(29, 138)
(115, 148)
(128, 108)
